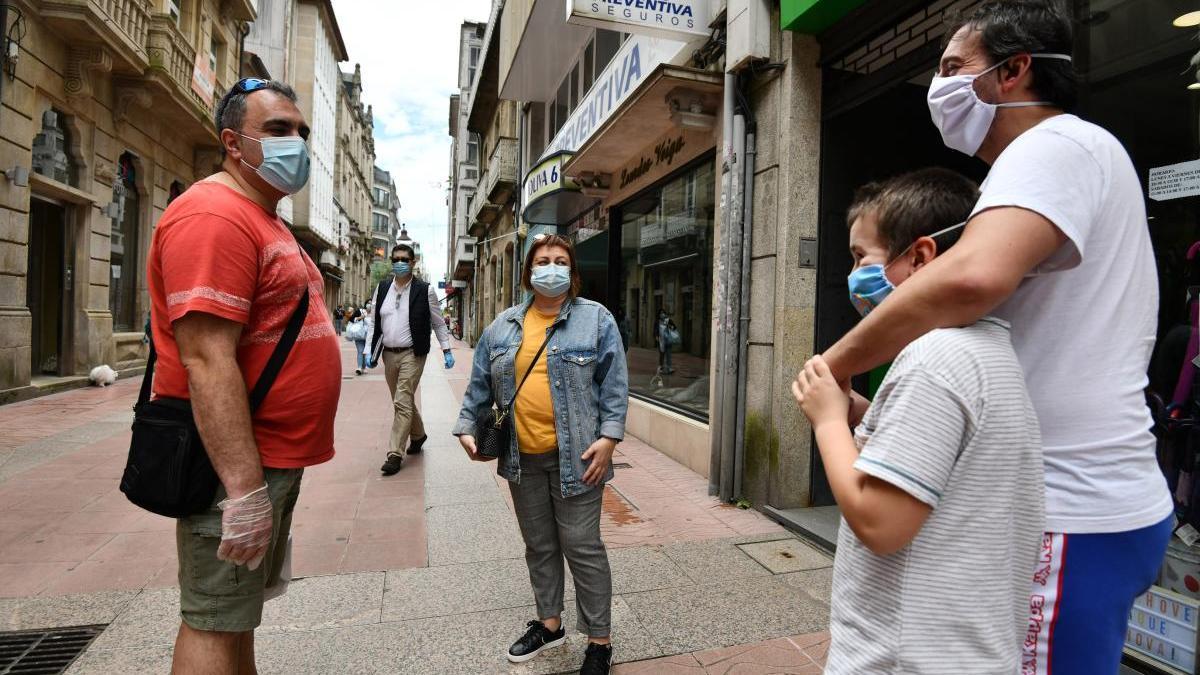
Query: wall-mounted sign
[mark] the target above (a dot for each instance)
(550, 197)
(663, 18)
(204, 80)
(1162, 625)
(671, 152)
(663, 154)
(637, 58)
(813, 16)
(546, 178)
(1175, 181)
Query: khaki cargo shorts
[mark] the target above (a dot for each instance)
(215, 595)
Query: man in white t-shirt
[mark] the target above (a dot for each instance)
(1059, 246)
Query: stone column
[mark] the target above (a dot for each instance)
(777, 466)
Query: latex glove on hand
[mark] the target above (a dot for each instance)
(448, 357)
(246, 527)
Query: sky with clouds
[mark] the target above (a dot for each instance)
(409, 56)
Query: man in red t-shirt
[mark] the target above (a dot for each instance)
(225, 275)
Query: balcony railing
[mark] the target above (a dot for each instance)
(122, 25)
(483, 212)
(172, 61)
(501, 176)
(243, 10)
(464, 257)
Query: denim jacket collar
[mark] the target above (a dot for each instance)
(563, 313)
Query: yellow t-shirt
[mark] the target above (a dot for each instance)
(533, 411)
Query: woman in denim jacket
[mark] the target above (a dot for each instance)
(568, 418)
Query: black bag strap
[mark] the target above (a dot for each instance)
(532, 364)
(148, 378)
(270, 371)
(279, 356)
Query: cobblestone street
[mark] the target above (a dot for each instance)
(421, 572)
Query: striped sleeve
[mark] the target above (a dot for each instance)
(210, 266)
(917, 434)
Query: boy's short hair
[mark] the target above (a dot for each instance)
(914, 205)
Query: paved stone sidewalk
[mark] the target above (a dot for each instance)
(418, 573)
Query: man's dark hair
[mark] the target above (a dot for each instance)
(915, 205)
(405, 247)
(1008, 28)
(231, 109)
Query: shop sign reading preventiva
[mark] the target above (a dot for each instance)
(679, 19)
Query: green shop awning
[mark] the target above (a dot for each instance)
(813, 16)
(550, 197)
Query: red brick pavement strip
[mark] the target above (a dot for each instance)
(654, 501)
(41, 418)
(66, 528)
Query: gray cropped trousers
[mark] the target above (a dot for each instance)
(555, 527)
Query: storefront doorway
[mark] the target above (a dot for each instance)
(887, 134)
(48, 284)
(1134, 67)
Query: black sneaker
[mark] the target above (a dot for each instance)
(534, 641)
(596, 660)
(392, 465)
(414, 446)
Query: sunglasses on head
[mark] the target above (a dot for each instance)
(249, 84)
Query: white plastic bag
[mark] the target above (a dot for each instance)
(285, 574)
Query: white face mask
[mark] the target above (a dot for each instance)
(959, 114)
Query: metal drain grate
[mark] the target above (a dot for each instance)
(32, 652)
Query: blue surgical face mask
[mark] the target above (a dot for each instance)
(551, 280)
(869, 284)
(401, 269)
(285, 162)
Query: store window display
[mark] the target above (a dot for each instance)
(665, 294)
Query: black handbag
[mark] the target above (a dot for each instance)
(168, 471)
(494, 436)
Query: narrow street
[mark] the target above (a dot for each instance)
(421, 572)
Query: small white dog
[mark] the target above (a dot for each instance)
(102, 376)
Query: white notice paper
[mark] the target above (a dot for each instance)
(1175, 181)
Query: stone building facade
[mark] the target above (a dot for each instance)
(385, 222)
(464, 177)
(316, 50)
(492, 211)
(107, 116)
(354, 171)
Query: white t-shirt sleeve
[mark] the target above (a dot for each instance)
(1055, 176)
(915, 436)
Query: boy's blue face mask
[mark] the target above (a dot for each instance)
(869, 284)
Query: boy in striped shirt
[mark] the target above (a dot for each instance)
(941, 484)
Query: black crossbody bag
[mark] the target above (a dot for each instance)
(495, 434)
(168, 471)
